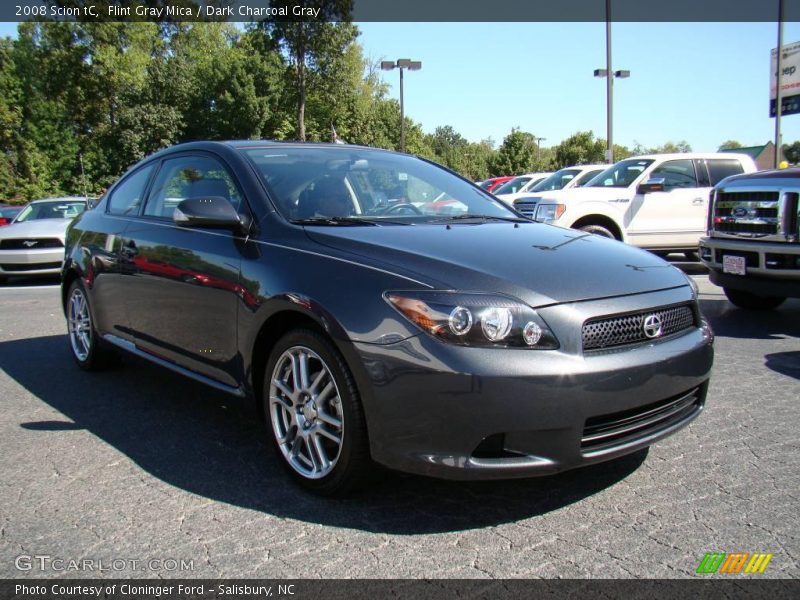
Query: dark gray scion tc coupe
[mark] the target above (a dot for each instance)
(376, 307)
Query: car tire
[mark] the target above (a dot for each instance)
(86, 348)
(750, 301)
(598, 230)
(316, 423)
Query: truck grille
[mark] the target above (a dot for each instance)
(26, 243)
(606, 432)
(526, 207)
(623, 330)
(751, 214)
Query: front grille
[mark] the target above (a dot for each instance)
(526, 207)
(750, 258)
(760, 210)
(26, 243)
(781, 261)
(605, 432)
(29, 267)
(623, 330)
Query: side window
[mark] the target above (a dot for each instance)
(587, 177)
(720, 168)
(676, 174)
(129, 194)
(189, 177)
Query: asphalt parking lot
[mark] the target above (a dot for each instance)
(141, 465)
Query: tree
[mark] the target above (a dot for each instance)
(580, 149)
(730, 145)
(312, 47)
(668, 148)
(791, 152)
(517, 154)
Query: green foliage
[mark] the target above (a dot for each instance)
(517, 154)
(791, 152)
(580, 149)
(668, 148)
(730, 145)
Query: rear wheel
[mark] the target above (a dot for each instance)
(315, 416)
(598, 230)
(84, 343)
(750, 301)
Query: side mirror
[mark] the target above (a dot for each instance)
(209, 212)
(651, 185)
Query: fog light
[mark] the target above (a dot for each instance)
(460, 320)
(532, 333)
(496, 323)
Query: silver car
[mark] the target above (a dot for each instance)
(33, 244)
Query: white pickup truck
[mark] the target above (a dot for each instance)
(658, 201)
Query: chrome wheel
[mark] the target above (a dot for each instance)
(79, 323)
(306, 412)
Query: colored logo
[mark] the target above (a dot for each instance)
(734, 563)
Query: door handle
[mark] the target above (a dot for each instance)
(698, 201)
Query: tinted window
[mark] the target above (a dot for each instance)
(189, 177)
(316, 183)
(129, 194)
(512, 186)
(52, 209)
(587, 177)
(720, 168)
(556, 181)
(676, 174)
(622, 174)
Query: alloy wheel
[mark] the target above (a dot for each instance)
(306, 412)
(79, 323)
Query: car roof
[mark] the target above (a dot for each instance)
(689, 155)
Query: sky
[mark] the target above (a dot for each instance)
(704, 83)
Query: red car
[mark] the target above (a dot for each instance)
(494, 182)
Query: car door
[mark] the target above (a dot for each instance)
(103, 240)
(674, 217)
(183, 290)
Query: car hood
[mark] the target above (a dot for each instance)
(584, 194)
(39, 228)
(537, 263)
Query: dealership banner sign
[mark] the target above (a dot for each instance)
(790, 80)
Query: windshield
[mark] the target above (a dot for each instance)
(512, 186)
(622, 174)
(370, 186)
(556, 181)
(52, 209)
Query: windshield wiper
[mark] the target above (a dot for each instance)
(469, 217)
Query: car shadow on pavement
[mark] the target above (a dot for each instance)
(786, 363)
(196, 439)
(729, 321)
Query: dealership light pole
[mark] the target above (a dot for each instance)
(778, 82)
(609, 75)
(411, 65)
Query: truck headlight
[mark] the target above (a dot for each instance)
(550, 212)
(474, 319)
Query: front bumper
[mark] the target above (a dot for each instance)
(46, 261)
(469, 413)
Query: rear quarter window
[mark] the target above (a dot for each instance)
(719, 169)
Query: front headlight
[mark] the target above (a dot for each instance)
(474, 319)
(550, 212)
